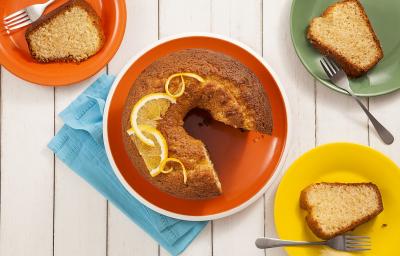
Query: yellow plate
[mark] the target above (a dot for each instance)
(340, 162)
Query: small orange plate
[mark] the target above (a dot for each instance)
(245, 161)
(15, 56)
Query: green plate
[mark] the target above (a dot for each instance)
(385, 18)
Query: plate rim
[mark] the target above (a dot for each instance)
(225, 213)
(308, 152)
(321, 80)
(120, 21)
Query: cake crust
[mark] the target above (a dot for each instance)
(232, 94)
(46, 19)
(350, 68)
(315, 225)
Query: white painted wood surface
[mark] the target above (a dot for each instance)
(45, 209)
(124, 237)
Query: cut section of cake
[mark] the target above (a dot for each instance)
(345, 34)
(211, 81)
(336, 208)
(70, 33)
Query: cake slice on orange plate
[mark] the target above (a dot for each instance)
(70, 33)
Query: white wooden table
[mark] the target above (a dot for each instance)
(48, 210)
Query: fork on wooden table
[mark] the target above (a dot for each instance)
(339, 78)
(24, 17)
(345, 243)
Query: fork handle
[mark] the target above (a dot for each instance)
(385, 135)
(265, 243)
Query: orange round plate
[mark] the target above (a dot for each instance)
(246, 162)
(15, 56)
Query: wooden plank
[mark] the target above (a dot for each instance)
(179, 16)
(235, 235)
(27, 125)
(385, 108)
(80, 212)
(339, 118)
(241, 20)
(299, 85)
(124, 237)
(141, 30)
(300, 88)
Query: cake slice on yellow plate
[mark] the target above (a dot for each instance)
(336, 208)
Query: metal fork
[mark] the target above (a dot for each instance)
(24, 16)
(339, 78)
(345, 243)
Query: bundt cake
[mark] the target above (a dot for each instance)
(230, 92)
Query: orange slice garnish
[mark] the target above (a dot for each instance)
(175, 160)
(153, 156)
(147, 111)
(182, 84)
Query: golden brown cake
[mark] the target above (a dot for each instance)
(231, 93)
(336, 208)
(345, 34)
(70, 33)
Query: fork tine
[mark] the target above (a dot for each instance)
(326, 69)
(8, 26)
(333, 64)
(18, 17)
(357, 243)
(357, 237)
(14, 14)
(328, 63)
(20, 25)
(357, 249)
(361, 244)
(358, 246)
(358, 240)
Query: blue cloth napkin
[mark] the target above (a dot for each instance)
(79, 144)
